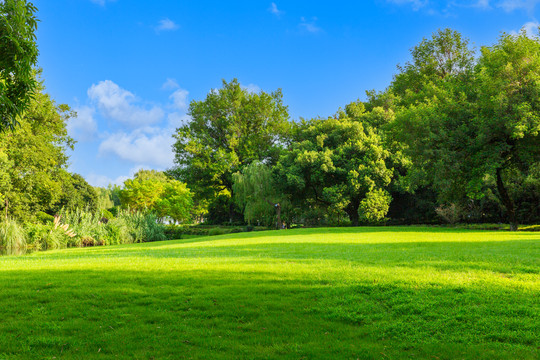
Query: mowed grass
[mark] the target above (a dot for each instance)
(340, 293)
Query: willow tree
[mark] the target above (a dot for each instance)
(257, 193)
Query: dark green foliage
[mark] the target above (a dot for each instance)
(77, 193)
(335, 165)
(474, 128)
(18, 56)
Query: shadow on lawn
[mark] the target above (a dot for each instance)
(258, 314)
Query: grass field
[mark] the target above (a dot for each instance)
(343, 293)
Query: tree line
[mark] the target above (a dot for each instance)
(453, 136)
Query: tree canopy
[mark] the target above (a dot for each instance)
(229, 129)
(18, 56)
(337, 163)
(462, 128)
(35, 158)
(153, 191)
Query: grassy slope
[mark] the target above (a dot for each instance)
(315, 294)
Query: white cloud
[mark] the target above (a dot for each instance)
(176, 120)
(309, 26)
(482, 4)
(119, 104)
(179, 98)
(252, 88)
(170, 84)
(104, 181)
(416, 4)
(101, 2)
(166, 25)
(511, 5)
(83, 127)
(152, 146)
(274, 9)
(530, 28)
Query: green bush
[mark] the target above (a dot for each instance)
(173, 232)
(86, 225)
(106, 214)
(44, 218)
(216, 231)
(12, 238)
(36, 236)
(143, 226)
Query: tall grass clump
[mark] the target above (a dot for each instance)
(142, 226)
(12, 238)
(86, 225)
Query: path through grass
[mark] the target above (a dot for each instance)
(346, 293)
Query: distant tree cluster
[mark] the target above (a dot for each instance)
(454, 136)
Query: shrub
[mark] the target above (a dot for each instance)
(12, 238)
(142, 226)
(106, 214)
(450, 213)
(216, 231)
(36, 236)
(173, 232)
(44, 218)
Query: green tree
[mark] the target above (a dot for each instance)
(152, 190)
(18, 56)
(337, 163)
(76, 193)
(258, 194)
(507, 117)
(175, 202)
(36, 158)
(229, 129)
(465, 128)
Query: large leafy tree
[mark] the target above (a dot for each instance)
(508, 114)
(35, 158)
(152, 190)
(432, 99)
(18, 56)
(464, 128)
(229, 129)
(338, 164)
(76, 193)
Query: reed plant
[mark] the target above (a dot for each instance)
(12, 238)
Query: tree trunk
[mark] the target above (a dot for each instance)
(507, 201)
(352, 211)
(278, 216)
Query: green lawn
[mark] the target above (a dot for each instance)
(343, 293)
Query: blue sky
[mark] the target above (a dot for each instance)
(130, 67)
